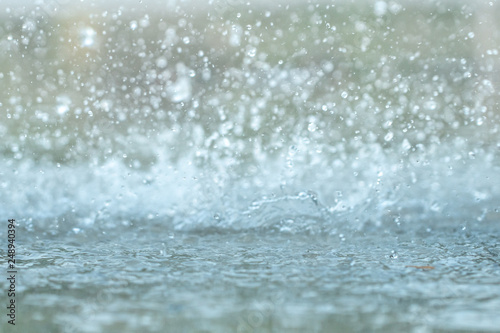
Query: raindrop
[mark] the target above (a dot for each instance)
(62, 109)
(430, 105)
(380, 8)
(406, 145)
(87, 37)
(312, 127)
(252, 52)
(161, 62)
(63, 103)
(181, 90)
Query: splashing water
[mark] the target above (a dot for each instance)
(255, 166)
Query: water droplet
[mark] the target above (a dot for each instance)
(344, 94)
(406, 145)
(144, 22)
(388, 136)
(87, 37)
(133, 25)
(252, 52)
(430, 105)
(312, 127)
(161, 62)
(380, 8)
(435, 207)
(63, 103)
(303, 195)
(180, 91)
(62, 109)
